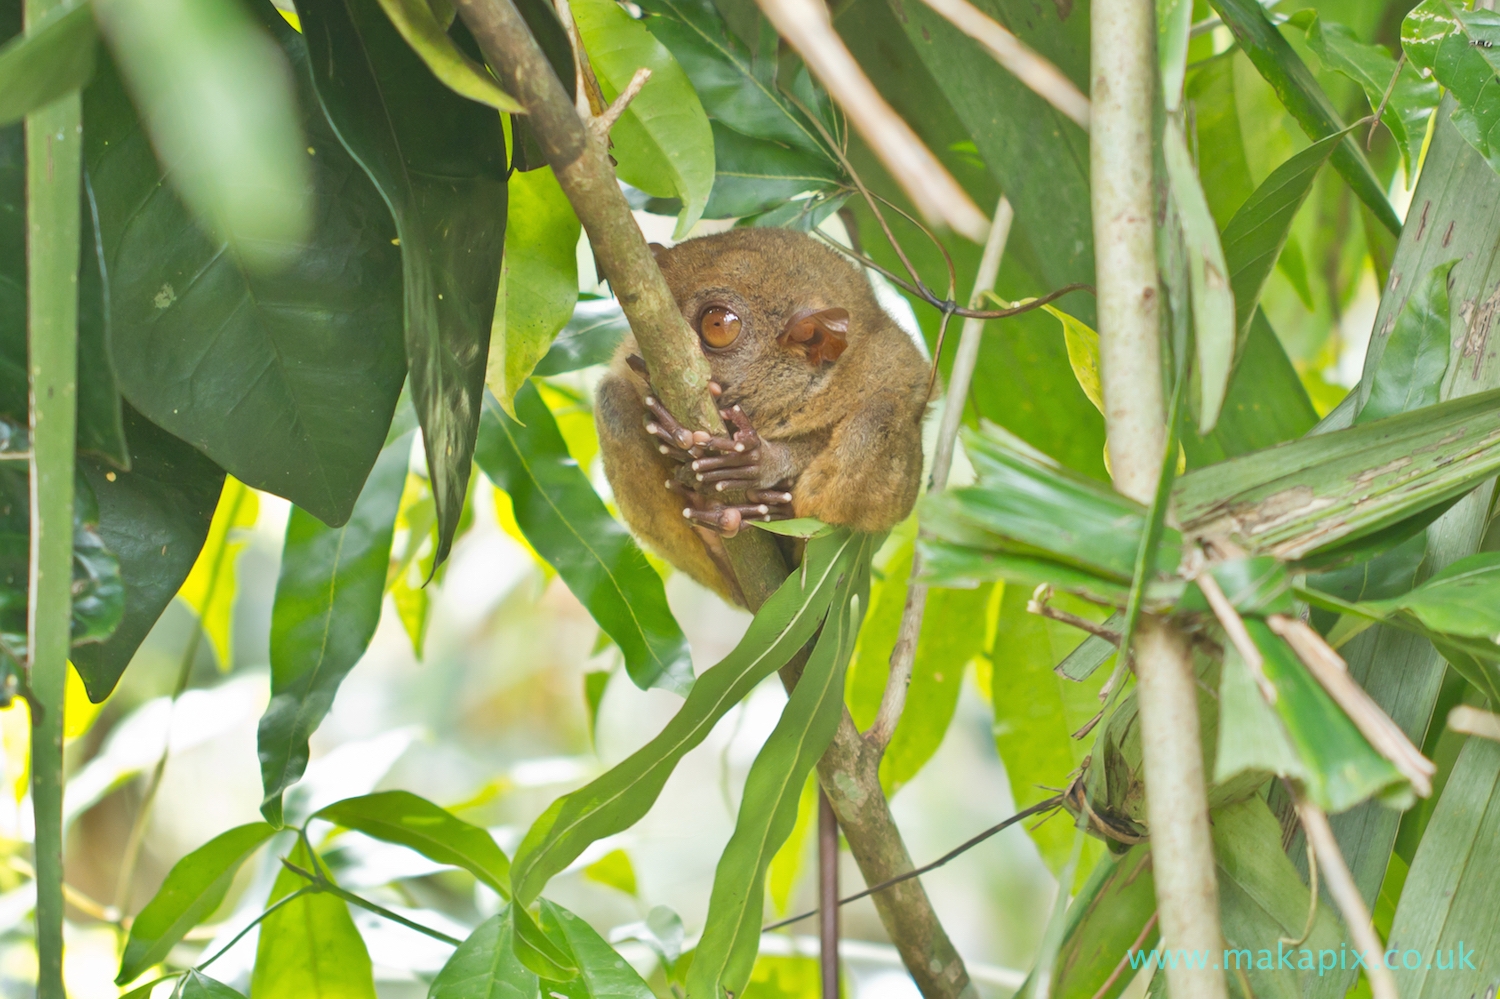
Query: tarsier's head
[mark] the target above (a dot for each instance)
(771, 306)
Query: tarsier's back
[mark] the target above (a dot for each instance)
(824, 394)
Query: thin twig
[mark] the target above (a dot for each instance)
(1038, 605)
(828, 894)
(1312, 897)
(1347, 897)
(1018, 58)
(968, 844)
(1384, 99)
(807, 26)
(74, 897)
(320, 883)
(903, 656)
(284, 900)
(606, 121)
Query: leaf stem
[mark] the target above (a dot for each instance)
(304, 890)
(320, 883)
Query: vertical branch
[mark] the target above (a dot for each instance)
(54, 161)
(1122, 84)
(828, 896)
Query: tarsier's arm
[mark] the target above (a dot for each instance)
(867, 477)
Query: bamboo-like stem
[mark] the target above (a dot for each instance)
(848, 771)
(1346, 896)
(903, 656)
(1122, 89)
(54, 163)
(828, 896)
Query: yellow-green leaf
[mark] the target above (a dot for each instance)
(417, 24)
(1083, 355)
(210, 587)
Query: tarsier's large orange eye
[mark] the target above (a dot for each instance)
(718, 326)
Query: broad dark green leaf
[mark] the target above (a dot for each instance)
(619, 798)
(154, 519)
(726, 952)
(1408, 104)
(287, 380)
(403, 817)
(590, 337)
(1106, 920)
(439, 161)
(328, 599)
(538, 281)
(1448, 901)
(485, 967)
(602, 972)
(310, 948)
(1410, 373)
(196, 985)
(215, 94)
(429, 38)
(662, 143)
(568, 525)
(55, 57)
(195, 887)
(1302, 95)
(755, 175)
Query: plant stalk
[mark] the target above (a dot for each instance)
(848, 771)
(54, 162)
(1122, 86)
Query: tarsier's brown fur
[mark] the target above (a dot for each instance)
(844, 434)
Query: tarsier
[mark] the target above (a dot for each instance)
(822, 392)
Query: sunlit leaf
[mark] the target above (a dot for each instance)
(430, 40)
(1083, 355)
(485, 967)
(211, 585)
(196, 985)
(603, 972)
(309, 947)
(615, 870)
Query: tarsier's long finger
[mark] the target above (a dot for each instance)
(665, 426)
(724, 519)
(730, 478)
(734, 459)
(775, 497)
(744, 430)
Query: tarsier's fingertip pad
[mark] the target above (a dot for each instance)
(821, 333)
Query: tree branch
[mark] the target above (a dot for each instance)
(849, 773)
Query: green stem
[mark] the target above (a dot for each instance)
(305, 890)
(320, 883)
(53, 173)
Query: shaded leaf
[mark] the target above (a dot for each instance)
(327, 605)
(404, 818)
(1409, 374)
(538, 281)
(429, 38)
(1105, 922)
(1441, 38)
(662, 142)
(56, 56)
(603, 973)
(618, 799)
(485, 967)
(439, 161)
(310, 948)
(194, 888)
(568, 525)
(590, 337)
(755, 175)
(307, 360)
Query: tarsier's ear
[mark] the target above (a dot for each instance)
(822, 333)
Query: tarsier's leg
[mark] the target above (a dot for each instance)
(868, 476)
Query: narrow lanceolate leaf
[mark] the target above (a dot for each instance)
(590, 337)
(1174, 20)
(217, 97)
(1408, 103)
(568, 525)
(731, 932)
(485, 967)
(155, 519)
(403, 817)
(1409, 374)
(327, 606)
(1208, 276)
(439, 161)
(1256, 235)
(210, 587)
(194, 888)
(310, 947)
(1083, 355)
(56, 56)
(1301, 94)
(602, 972)
(619, 798)
(662, 142)
(1316, 496)
(538, 281)
(430, 40)
(308, 359)
(1447, 905)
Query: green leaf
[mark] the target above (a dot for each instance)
(550, 959)
(485, 967)
(1462, 599)
(1304, 98)
(1448, 899)
(439, 161)
(1408, 104)
(1251, 737)
(731, 932)
(1174, 18)
(568, 525)
(615, 870)
(1256, 235)
(603, 972)
(310, 948)
(1036, 711)
(590, 337)
(1213, 303)
(200, 986)
(220, 106)
(429, 38)
(662, 142)
(538, 281)
(194, 888)
(404, 818)
(56, 56)
(308, 360)
(1448, 43)
(618, 799)
(1083, 355)
(154, 518)
(755, 175)
(328, 598)
(1106, 921)
(209, 589)
(1410, 370)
